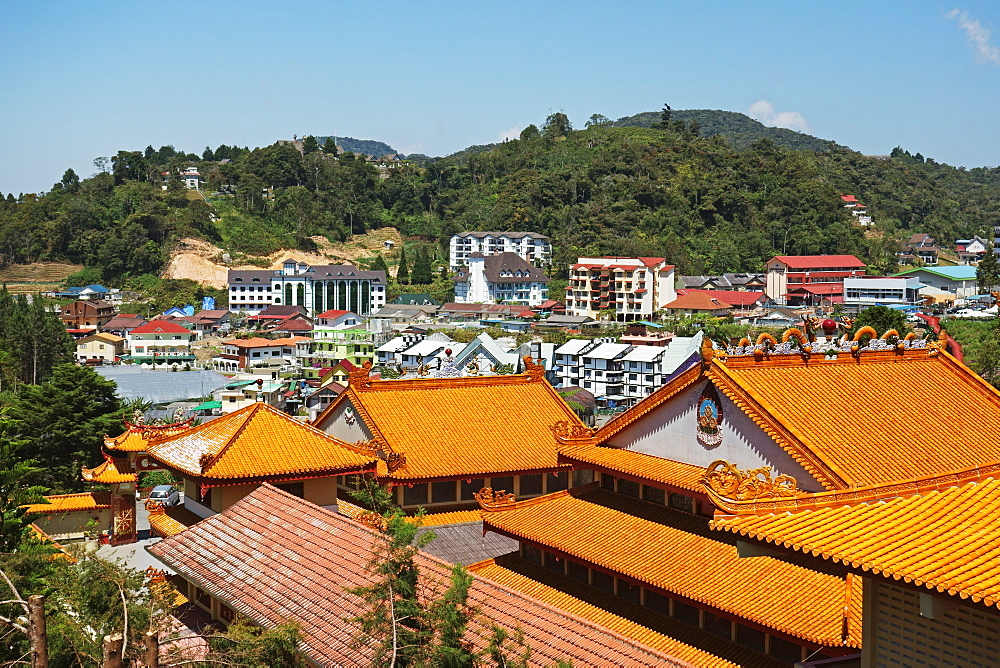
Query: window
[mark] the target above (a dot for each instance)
(718, 625)
(443, 491)
(628, 488)
(469, 488)
(415, 496)
(293, 488)
(602, 581)
(629, 591)
(505, 483)
(608, 482)
(531, 554)
(657, 602)
(577, 571)
(654, 495)
(682, 502)
(752, 638)
(557, 482)
(530, 484)
(785, 650)
(685, 613)
(553, 563)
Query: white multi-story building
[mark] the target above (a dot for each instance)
(861, 293)
(634, 287)
(318, 289)
(500, 278)
(621, 372)
(531, 247)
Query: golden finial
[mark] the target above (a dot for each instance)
(490, 500)
(729, 482)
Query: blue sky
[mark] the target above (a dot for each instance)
(82, 80)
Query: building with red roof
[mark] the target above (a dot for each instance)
(634, 287)
(160, 342)
(787, 273)
(696, 302)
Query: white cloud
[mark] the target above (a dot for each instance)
(764, 111)
(978, 36)
(512, 133)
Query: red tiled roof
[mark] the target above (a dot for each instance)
(698, 301)
(820, 261)
(849, 198)
(332, 313)
(274, 557)
(734, 297)
(161, 326)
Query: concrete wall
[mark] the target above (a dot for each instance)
(339, 426)
(72, 525)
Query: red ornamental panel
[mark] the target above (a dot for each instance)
(123, 526)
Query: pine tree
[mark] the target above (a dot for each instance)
(309, 145)
(422, 268)
(330, 146)
(380, 265)
(403, 272)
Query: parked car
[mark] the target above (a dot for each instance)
(165, 494)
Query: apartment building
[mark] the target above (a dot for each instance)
(809, 276)
(504, 277)
(531, 247)
(633, 287)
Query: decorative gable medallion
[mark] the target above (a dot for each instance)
(709, 431)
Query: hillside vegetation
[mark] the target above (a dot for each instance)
(699, 201)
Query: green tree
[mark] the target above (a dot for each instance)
(529, 133)
(598, 121)
(65, 419)
(16, 488)
(988, 272)
(402, 272)
(881, 318)
(309, 145)
(380, 265)
(556, 125)
(330, 146)
(399, 622)
(422, 268)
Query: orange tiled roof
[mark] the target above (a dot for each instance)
(448, 428)
(258, 442)
(70, 503)
(684, 641)
(635, 465)
(170, 521)
(138, 436)
(677, 553)
(244, 554)
(107, 474)
(939, 532)
(861, 421)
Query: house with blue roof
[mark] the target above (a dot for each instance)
(85, 292)
(960, 280)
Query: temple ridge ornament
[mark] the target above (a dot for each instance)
(729, 482)
(360, 376)
(490, 500)
(535, 372)
(709, 417)
(393, 460)
(565, 430)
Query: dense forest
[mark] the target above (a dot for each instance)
(608, 188)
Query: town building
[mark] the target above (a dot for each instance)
(634, 288)
(959, 280)
(857, 209)
(160, 342)
(971, 251)
(737, 282)
(697, 303)
(100, 348)
(191, 177)
(805, 279)
(533, 248)
(503, 277)
(248, 389)
(316, 288)
(861, 293)
(239, 354)
(920, 249)
(123, 323)
(94, 291)
(86, 314)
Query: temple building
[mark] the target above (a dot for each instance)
(442, 439)
(223, 460)
(637, 544)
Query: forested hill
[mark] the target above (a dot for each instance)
(739, 130)
(361, 146)
(670, 192)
